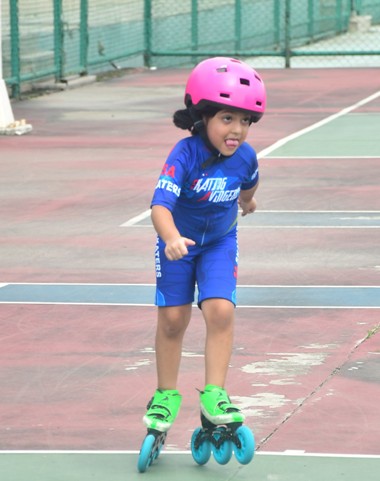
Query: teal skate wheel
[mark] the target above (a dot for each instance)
(147, 453)
(246, 451)
(201, 450)
(223, 452)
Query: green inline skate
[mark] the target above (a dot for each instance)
(161, 412)
(222, 431)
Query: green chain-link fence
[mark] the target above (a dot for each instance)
(61, 38)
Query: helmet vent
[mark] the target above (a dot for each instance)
(244, 81)
(226, 96)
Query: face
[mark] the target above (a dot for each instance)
(227, 130)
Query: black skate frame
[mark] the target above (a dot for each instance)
(226, 432)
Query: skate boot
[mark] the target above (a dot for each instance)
(222, 431)
(161, 413)
(216, 406)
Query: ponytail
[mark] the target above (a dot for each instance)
(182, 119)
(192, 119)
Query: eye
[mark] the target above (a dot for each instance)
(246, 120)
(227, 118)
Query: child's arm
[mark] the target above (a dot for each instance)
(176, 245)
(246, 200)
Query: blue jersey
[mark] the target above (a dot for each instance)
(203, 201)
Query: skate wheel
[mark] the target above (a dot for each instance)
(245, 452)
(222, 453)
(147, 453)
(202, 452)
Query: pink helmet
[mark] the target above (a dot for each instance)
(226, 82)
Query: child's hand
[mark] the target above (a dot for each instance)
(177, 248)
(248, 207)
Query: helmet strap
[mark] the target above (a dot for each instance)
(198, 124)
(200, 128)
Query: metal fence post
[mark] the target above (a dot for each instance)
(83, 32)
(287, 32)
(58, 40)
(15, 47)
(194, 28)
(277, 23)
(311, 20)
(147, 33)
(238, 25)
(339, 17)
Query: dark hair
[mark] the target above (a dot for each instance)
(192, 119)
(182, 119)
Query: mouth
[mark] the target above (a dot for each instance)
(232, 143)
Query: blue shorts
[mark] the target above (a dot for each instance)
(212, 268)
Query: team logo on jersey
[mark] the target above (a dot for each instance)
(168, 171)
(166, 179)
(215, 189)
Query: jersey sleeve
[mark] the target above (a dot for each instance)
(253, 176)
(171, 179)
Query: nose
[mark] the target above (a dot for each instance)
(236, 127)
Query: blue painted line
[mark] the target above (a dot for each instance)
(78, 294)
(310, 296)
(143, 294)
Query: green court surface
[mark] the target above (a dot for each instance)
(122, 467)
(349, 135)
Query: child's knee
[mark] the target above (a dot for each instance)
(218, 314)
(173, 322)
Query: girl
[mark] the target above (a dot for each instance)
(194, 212)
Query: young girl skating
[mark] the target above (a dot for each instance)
(194, 211)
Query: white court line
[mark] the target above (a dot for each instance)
(137, 219)
(109, 304)
(188, 452)
(76, 284)
(320, 157)
(277, 286)
(255, 226)
(195, 306)
(309, 226)
(287, 307)
(134, 221)
(145, 214)
(316, 212)
(318, 455)
(280, 143)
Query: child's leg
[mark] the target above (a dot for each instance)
(164, 406)
(171, 326)
(215, 403)
(219, 316)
